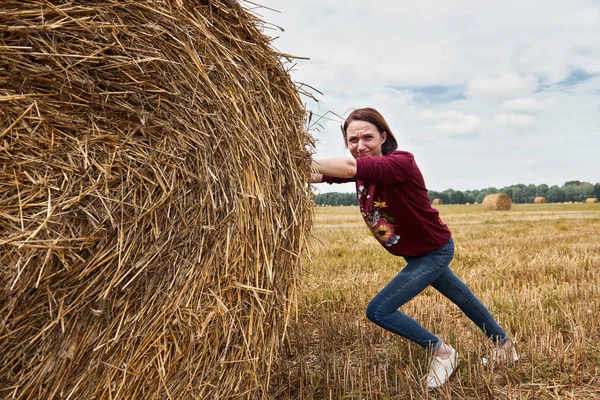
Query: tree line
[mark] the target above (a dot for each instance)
(575, 191)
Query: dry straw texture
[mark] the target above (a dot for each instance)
(539, 200)
(436, 202)
(153, 200)
(498, 201)
(591, 200)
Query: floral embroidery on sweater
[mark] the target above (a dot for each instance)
(378, 220)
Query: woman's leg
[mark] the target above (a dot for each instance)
(448, 284)
(419, 273)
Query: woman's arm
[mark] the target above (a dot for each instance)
(337, 167)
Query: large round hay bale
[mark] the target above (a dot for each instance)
(154, 204)
(591, 200)
(497, 201)
(539, 200)
(437, 202)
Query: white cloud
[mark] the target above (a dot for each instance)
(523, 106)
(452, 122)
(469, 124)
(515, 120)
(512, 68)
(450, 115)
(507, 85)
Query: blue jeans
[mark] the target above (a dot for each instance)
(429, 269)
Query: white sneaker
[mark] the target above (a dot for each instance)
(440, 370)
(503, 355)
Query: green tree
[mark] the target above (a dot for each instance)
(530, 193)
(336, 199)
(542, 190)
(433, 195)
(519, 195)
(471, 196)
(584, 191)
(569, 191)
(455, 197)
(555, 195)
(577, 190)
(439, 195)
(459, 197)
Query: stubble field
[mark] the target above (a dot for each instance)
(536, 267)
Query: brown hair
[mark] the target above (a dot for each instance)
(373, 116)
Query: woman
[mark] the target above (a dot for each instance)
(394, 203)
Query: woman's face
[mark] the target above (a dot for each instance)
(364, 140)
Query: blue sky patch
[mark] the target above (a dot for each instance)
(576, 76)
(434, 94)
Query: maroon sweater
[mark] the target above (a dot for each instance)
(394, 203)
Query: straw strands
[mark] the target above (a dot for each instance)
(497, 201)
(153, 200)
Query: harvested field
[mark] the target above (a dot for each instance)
(536, 267)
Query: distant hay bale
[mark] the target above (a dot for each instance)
(154, 205)
(498, 201)
(476, 203)
(437, 202)
(591, 200)
(539, 200)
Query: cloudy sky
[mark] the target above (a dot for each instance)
(483, 93)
